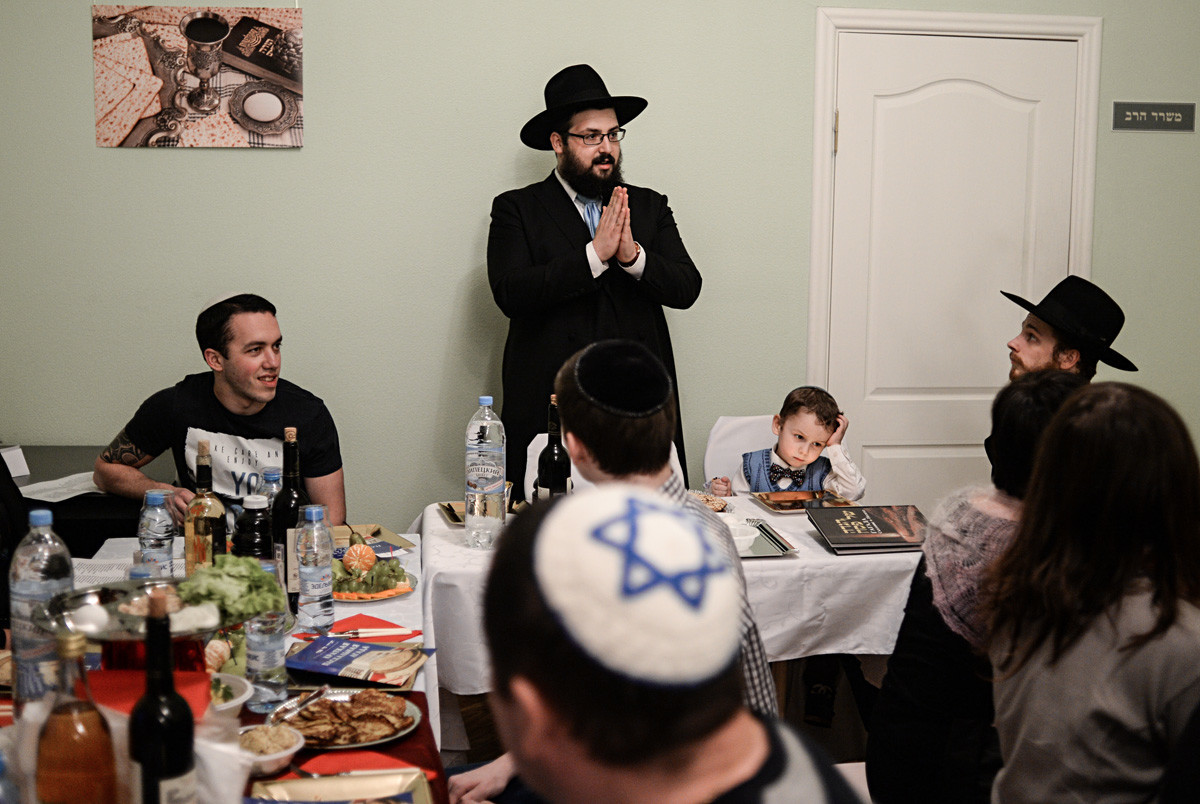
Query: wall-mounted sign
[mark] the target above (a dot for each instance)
(1133, 116)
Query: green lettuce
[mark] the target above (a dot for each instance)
(239, 586)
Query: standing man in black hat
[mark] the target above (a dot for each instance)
(1071, 329)
(580, 256)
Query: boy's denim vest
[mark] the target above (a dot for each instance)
(756, 467)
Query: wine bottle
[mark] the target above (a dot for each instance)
(204, 533)
(285, 513)
(160, 725)
(75, 760)
(554, 465)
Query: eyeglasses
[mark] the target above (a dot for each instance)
(595, 137)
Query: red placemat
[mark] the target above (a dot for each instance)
(415, 750)
(121, 689)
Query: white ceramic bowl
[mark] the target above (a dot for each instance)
(743, 536)
(270, 764)
(242, 690)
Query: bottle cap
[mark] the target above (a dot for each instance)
(255, 501)
(202, 448)
(40, 517)
(272, 473)
(155, 497)
(314, 513)
(485, 400)
(70, 645)
(289, 434)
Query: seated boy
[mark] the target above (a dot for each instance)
(808, 456)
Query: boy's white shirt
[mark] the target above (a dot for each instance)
(843, 478)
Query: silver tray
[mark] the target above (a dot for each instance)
(63, 611)
(288, 115)
(288, 707)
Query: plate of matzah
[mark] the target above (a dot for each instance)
(127, 89)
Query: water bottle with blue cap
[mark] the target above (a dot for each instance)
(156, 533)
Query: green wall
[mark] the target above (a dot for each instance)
(371, 238)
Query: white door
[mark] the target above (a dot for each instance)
(953, 180)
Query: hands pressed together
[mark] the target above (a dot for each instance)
(613, 235)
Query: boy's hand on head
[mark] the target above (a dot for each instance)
(842, 424)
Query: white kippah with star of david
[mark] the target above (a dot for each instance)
(639, 585)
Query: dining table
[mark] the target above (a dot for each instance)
(807, 601)
(416, 750)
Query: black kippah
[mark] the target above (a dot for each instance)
(623, 378)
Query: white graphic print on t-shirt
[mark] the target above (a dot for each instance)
(237, 462)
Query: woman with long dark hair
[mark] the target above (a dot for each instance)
(1094, 625)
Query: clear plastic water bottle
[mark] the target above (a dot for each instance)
(266, 646)
(40, 569)
(314, 559)
(485, 476)
(271, 484)
(156, 532)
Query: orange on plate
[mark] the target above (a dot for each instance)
(358, 557)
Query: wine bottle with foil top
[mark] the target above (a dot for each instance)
(554, 465)
(75, 759)
(285, 514)
(204, 530)
(160, 725)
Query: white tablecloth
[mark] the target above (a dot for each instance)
(406, 610)
(807, 603)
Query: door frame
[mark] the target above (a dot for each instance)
(1086, 31)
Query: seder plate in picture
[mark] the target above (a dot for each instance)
(797, 502)
(285, 712)
(117, 611)
(264, 108)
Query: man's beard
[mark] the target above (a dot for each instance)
(578, 173)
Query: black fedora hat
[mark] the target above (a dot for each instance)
(570, 90)
(1085, 315)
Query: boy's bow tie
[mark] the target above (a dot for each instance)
(777, 473)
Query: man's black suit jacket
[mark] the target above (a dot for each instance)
(541, 280)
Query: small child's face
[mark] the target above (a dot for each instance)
(801, 438)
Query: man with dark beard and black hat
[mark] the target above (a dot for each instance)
(580, 256)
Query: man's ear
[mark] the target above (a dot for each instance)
(556, 142)
(1066, 359)
(541, 730)
(578, 452)
(214, 359)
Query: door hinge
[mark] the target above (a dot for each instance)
(835, 131)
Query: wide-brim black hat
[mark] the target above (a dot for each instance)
(1085, 315)
(570, 90)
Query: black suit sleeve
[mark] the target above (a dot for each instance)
(671, 278)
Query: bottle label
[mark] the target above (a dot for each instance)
(33, 648)
(485, 471)
(316, 581)
(176, 790)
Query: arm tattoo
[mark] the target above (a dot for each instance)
(124, 452)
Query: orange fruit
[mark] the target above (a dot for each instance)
(358, 557)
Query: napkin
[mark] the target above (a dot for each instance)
(365, 621)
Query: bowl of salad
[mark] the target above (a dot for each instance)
(229, 693)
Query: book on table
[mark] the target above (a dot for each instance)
(870, 528)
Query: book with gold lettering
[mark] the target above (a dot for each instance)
(870, 528)
(266, 52)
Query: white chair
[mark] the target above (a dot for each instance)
(539, 443)
(731, 436)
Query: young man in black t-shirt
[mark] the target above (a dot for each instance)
(241, 407)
